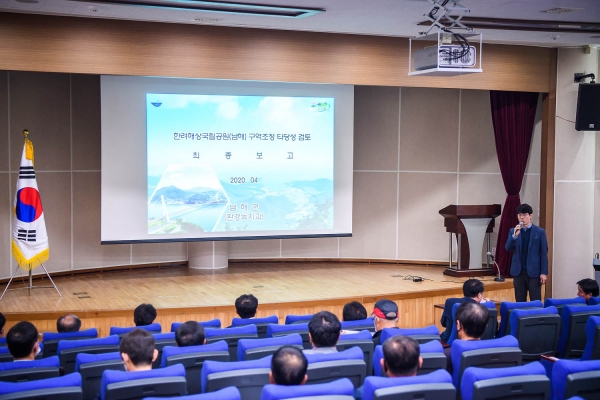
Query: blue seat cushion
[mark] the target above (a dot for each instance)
(212, 367)
(44, 362)
(229, 393)
(339, 387)
(93, 332)
(169, 351)
(238, 330)
(274, 329)
(273, 319)
(113, 376)
(73, 344)
(213, 323)
(372, 383)
(357, 323)
(69, 380)
(84, 358)
(291, 319)
(247, 344)
(557, 302)
(154, 328)
(353, 353)
(389, 332)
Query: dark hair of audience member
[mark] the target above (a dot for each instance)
(68, 323)
(524, 209)
(354, 311)
(246, 306)
(144, 314)
(2, 322)
(21, 339)
(401, 356)
(139, 346)
(189, 333)
(473, 318)
(472, 287)
(589, 286)
(288, 366)
(324, 328)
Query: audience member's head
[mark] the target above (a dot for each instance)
(385, 314)
(68, 323)
(288, 367)
(190, 333)
(587, 288)
(246, 306)
(2, 323)
(324, 329)
(22, 341)
(137, 350)
(401, 356)
(144, 314)
(473, 288)
(471, 321)
(354, 311)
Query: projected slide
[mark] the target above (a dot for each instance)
(239, 163)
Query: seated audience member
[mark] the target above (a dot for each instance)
(324, 332)
(137, 350)
(401, 358)
(354, 311)
(144, 314)
(22, 341)
(587, 288)
(2, 323)
(473, 293)
(246, 306)
(471, 321)
(288, 367)
(68, 323)
(190, 333)
(385, 315)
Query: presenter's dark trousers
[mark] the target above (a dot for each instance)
(524, 283)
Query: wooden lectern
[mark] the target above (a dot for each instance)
(470, 224)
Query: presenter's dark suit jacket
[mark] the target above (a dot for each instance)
(537, 255)
(447, 315)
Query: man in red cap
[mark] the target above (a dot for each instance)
(385, 315)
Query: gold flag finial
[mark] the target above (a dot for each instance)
(28, 146)
(25, 133)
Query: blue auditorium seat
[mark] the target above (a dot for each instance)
(231, 336)
(363, 340)
(421, 335)
(521, 382)
(3, 342)
(213, 323)
(24, 371)
(537, 331)
(593, 301)
(248, 376)
(297, 319)
(229, 393)
(560, 303)
(490, 330)
(253, 349)
(192, 358)
(323, 368)
(275, 330)
(359, 325)
(576, 378)
(67, 350)
(51, 339)
(161, 340)
(92, 366)
(432, 354)
(592, 344)
(261, 323)
(66, 387)
(572, 336)
(152, 328)
(339, 387)
(435, 385)
(506, 308)
(162, 382)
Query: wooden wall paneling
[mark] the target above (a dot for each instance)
(101, 46)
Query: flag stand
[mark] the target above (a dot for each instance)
(30, 282)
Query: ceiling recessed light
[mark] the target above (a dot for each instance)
(559, 10)
(27, 1)
(208, 19)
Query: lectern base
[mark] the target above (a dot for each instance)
(467, 273)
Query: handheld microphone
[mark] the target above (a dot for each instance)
(499, 278)
(521, 224)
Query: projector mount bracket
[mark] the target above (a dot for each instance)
(441, 10)
(580, 77)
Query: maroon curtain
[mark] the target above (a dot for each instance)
(513, 115)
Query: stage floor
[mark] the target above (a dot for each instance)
(270, 282)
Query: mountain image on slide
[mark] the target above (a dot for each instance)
(200, 195)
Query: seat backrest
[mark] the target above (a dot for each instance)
(29, 370)
(67, 350)
(51, 339)
(505, 310)
(575, 378)
(92, 366)
(592, 344)
(66, 387)
(561, 303)
(432, 354)
(490, 329)
(231, 336)
(192, 358)
(359, 325)
(537, 331)
(297, 319)
(163, 382)
(524, 382)
(253, 349)
(161, 340)
(339, 387)
(261, 323)
(248, 376)
(213, 323)
(593, 301)
(421, 335)
(573, 337)
(275, 330)
(229, 393)
(3, 342)
(417, 387)
(362, 340)
(493, 353)
(152, 328)
(327, 367)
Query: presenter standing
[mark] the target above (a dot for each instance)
(529, 264)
